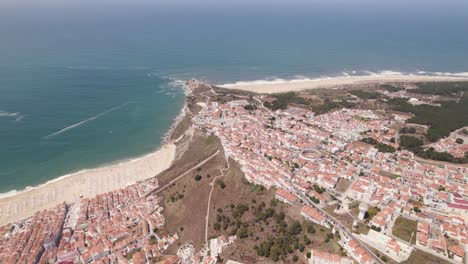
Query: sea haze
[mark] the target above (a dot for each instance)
(82, 87)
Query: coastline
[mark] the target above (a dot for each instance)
(18, 205)
(281, 86)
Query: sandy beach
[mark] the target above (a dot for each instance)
(86, 183)
(281, 86)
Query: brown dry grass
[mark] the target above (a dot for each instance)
(185, 201)
(238, 191)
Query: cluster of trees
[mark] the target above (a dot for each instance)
(442, 120)
(283, 100)
(391, 88)
(286, 242)
(414, 145)
(250, 107)
(286, 239)
(319, 189)
(371, 212)
(408, 130)
(410, 142)
(329, 105)
(365, 95)
(382, 147)
(430, 153)
(444, 88)
(221, 184)
(237, 227)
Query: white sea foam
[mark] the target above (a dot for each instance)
(387, 72)
(85, 121)
(344, 75)
(7, 114)
(19, 118)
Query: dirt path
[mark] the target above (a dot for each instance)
(185, 173)
(207, 217)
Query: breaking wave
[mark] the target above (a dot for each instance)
(344, 74)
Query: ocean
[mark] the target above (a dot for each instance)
(83, 87)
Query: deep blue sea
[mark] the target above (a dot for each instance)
(83, 87)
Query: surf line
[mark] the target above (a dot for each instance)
(85, 121)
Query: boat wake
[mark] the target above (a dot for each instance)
(85, 121)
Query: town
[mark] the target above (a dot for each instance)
(297, 152)
(344, 170)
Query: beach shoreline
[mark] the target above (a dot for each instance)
(295, 85)
(18, 205)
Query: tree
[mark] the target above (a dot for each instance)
(243, 232)
(372, 211)
(459, 141)
(410, 142)
(295, 258)
(250, 107)
(275, 252)
(221, 184)
(308, 255)
(310, 229)
(198, 177)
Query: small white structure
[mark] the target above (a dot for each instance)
(362, 211)
(217, 245)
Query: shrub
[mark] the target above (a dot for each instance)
(410, 142)
(198, 177)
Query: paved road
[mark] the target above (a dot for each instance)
(338, 226)
(160, 189)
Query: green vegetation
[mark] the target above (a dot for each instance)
(430, 153)
(408, 130)
(319, 189)
(404, 228)
(221, 184)
(284, 99)
(198, 177)
(329, 105)
(287, 241)
(286, 238)
(354, 204)
(250, 107)
(410, 142)
(415, 145)
(371, 212)
(382, 147)
(210, 139)
(444, 88)
(442, 120)
(391, 88)
(365, 95)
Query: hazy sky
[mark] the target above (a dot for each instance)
(93, 3)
